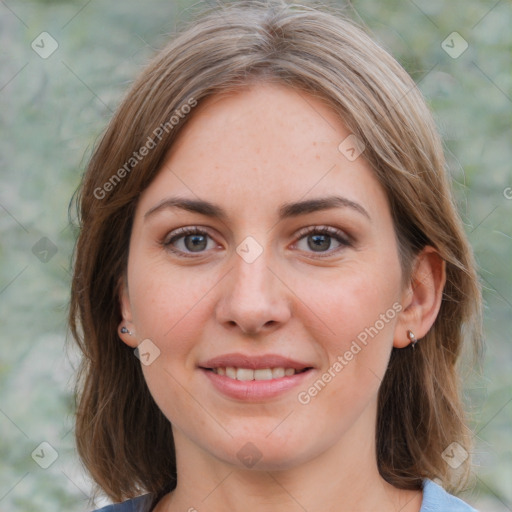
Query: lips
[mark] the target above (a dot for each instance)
(254, 377)
(254, 362)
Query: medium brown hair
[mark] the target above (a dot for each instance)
(123, 438)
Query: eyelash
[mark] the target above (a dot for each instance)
(342, 238)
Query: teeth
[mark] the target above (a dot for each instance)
(262, 374)
(245, 374)
(277, 373)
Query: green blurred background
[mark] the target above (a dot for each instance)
(54, 108)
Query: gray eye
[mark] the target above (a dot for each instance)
(190, 240)
(319, 242)
(196, 243)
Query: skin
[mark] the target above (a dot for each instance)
(249, 152)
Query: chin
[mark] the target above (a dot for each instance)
(260, 453)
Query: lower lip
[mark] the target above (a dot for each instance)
(248, 390)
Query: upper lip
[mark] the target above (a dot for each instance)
(254, 362)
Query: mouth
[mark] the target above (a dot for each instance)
(247, 374)
(255, 378)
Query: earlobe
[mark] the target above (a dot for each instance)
(126, 329)
(422, 298)
(127, 336)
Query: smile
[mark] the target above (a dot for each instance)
(246, 374)
(255, 378)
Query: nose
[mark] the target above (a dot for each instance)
(254, 298)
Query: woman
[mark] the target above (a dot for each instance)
(271, 282)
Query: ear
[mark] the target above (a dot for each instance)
(421, 298)
(126, 312)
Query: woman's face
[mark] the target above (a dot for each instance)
(264, 279)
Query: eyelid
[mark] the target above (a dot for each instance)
(330, 230)
(184, 231)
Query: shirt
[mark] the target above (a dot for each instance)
(435, 499)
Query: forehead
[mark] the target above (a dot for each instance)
(262, 144)
(271, 119)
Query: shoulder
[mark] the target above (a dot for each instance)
(436, 499)
(139, 504)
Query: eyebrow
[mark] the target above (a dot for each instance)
(286, 210)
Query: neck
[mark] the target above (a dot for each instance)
(343, 478)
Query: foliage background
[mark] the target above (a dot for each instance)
(53, 110)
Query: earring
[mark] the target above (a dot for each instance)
(124, 330)
(411, 337)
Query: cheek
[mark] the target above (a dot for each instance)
(170, 309)
(356, 313)
(348, 301)
(358, 328)
(165, 302)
